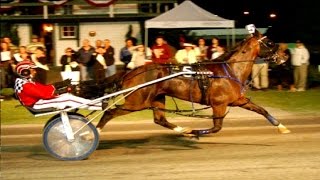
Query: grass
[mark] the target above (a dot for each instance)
(307, 102)
(300, 103)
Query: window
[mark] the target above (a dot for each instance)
(68, 31)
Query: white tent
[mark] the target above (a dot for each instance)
(188, 15)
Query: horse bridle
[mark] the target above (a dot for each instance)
(265, 44)
(274, 56)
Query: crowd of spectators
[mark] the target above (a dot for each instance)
(98, 62)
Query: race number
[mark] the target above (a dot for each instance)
(251, 28)
(187, 69)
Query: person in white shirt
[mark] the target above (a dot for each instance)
(35, 43)
(300, 62)
(203, 48)
(188, 55)
(140, 56)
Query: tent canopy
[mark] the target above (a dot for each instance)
(188, 15)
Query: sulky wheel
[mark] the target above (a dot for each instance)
(84, 144)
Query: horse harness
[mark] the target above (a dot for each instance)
(204, 75)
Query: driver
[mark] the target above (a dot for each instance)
(39, 96)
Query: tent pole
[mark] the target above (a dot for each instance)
(228, 41)
(146, 39)
(233, 37)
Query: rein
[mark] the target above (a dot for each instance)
(179, 112)
(228, 76)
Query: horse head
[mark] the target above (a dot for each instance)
(268, 49)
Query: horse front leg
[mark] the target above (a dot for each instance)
(247, 104)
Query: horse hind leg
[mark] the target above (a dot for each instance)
(110, 114)
(247, 104)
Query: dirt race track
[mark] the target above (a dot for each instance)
(244, 149)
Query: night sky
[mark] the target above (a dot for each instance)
(294, 20)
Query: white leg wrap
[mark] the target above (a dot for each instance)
(99, 130)
(283, 129)
(179, 129)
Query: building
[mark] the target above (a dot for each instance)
(64, 23)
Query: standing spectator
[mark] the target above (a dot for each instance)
(140, 55)
(173, 50)
(188, 55)
(40, 60)
(5, 65)
(126, 53)
(283, 72)
(160, 51)
(84, 56)
(35, 43)
(219, 51)
(13, 48)
(109, 57)
(300, 63)
(22, 55)
(260, 74)
(203, 48)
(69, 60)
(99, 64)
(98, 43)
(213, 47)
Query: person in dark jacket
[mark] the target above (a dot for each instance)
(284, 71)
(109, 57)
(99, 64)
(84, 56)
(40, 59)
(69, 60)
(126, 53)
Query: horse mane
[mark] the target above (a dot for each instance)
(226, 56)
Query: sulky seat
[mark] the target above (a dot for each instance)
(39, 111)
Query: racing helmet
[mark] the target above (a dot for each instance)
(23, 68)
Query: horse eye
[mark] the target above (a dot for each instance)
(270, 43)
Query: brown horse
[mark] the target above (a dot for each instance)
(226, 87)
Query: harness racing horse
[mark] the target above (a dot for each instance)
(226, 87)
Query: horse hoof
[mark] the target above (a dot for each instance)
(283, 130)
(191, 136)
(188, 135)
(187, 130)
